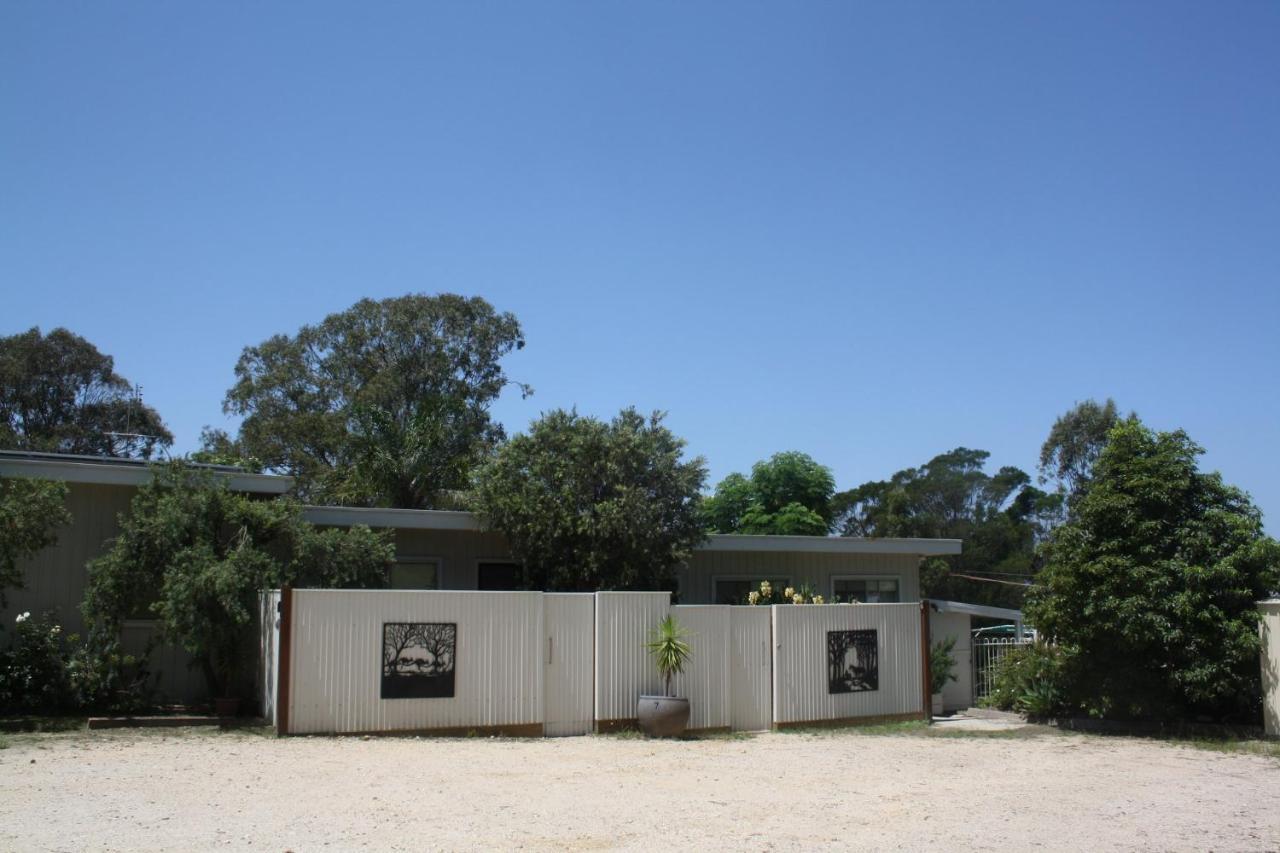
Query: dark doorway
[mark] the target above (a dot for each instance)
(499, 576)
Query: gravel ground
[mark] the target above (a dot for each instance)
(906, 790)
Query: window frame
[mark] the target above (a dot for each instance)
(896, 578)
(418, 559)
(480, 561)
(715, 579)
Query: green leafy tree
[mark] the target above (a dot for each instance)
(787, 494)
(217, 447)
(59, 394)
(1074, 444)
(384, 404)
(31, 511)
(999, 516)
(589, 505)
(194, 555)
(1150, 588)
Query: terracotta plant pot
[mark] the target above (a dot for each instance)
(226, 707)
(663, 716)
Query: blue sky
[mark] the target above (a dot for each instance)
(871, 232)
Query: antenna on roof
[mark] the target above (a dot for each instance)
(128, 421)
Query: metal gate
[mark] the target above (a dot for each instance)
(569, 657)
(987, 653)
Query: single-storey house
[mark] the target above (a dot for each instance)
(437, 550)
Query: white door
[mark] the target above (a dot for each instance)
(569, 659)
(750, 668)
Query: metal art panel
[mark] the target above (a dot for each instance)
(705, 681)
(802, 661)
(268, 652)
(337, 660)
(750, 668)
(570, 662)
(624, 671)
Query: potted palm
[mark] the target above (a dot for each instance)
(666, 715)
(942, 664)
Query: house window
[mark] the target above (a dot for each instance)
(734, 590)
(866, 590)
(499, 576)
(415, 573)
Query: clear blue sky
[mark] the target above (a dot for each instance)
(868, 231)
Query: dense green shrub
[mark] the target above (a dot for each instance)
(1028, 679)
(45, 671)
(33, 669)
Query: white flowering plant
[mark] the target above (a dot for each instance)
(768, 594)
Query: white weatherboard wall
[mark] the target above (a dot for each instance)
(624, 669)
(336, 669)
(958, 694)
(1269, 611)
(705, 681)
(750, 668)
(570, 662)
(800, 685)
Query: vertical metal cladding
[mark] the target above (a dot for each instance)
(800, 675)
(624, 671)
(1269, 611)
(569, 658)
(750, 668)
(268, 651)
(705, 681)
(337, 660)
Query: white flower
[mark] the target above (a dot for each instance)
(817, 599)
(789, 592)
(753, 597)
(797, 599)
(56, 629)
(23, 617)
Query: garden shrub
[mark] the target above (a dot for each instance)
(1029, 680)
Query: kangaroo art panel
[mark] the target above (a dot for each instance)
(418, 659)
(853, 662)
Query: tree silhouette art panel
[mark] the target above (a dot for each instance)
(417, 659)
(853, 661)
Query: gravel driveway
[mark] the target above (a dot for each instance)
(908, 791)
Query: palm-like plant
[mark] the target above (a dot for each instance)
(669, 649)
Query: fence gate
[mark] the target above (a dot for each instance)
(987, 652)
(569, 658)
(750, 668)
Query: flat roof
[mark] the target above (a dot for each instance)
(975, 609)
(111, 471)
(434, 519)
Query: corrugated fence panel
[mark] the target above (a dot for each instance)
(705, 681)
(1269, 626)
(570, 662)
(750, 668)
(268, 651)
(801, 684)
(624, 671)
(336, 669)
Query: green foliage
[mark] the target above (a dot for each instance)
(219, 448)
(669, 647)
(1074, 444)
(788, 494)
(942, 664)
(999, 516)
(384, 404)
(195, 555)
(59, 394)
(31, 511)
(1151, 585)
(1021, 672)
(43, 671)
(33, 672)
(589, 505)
